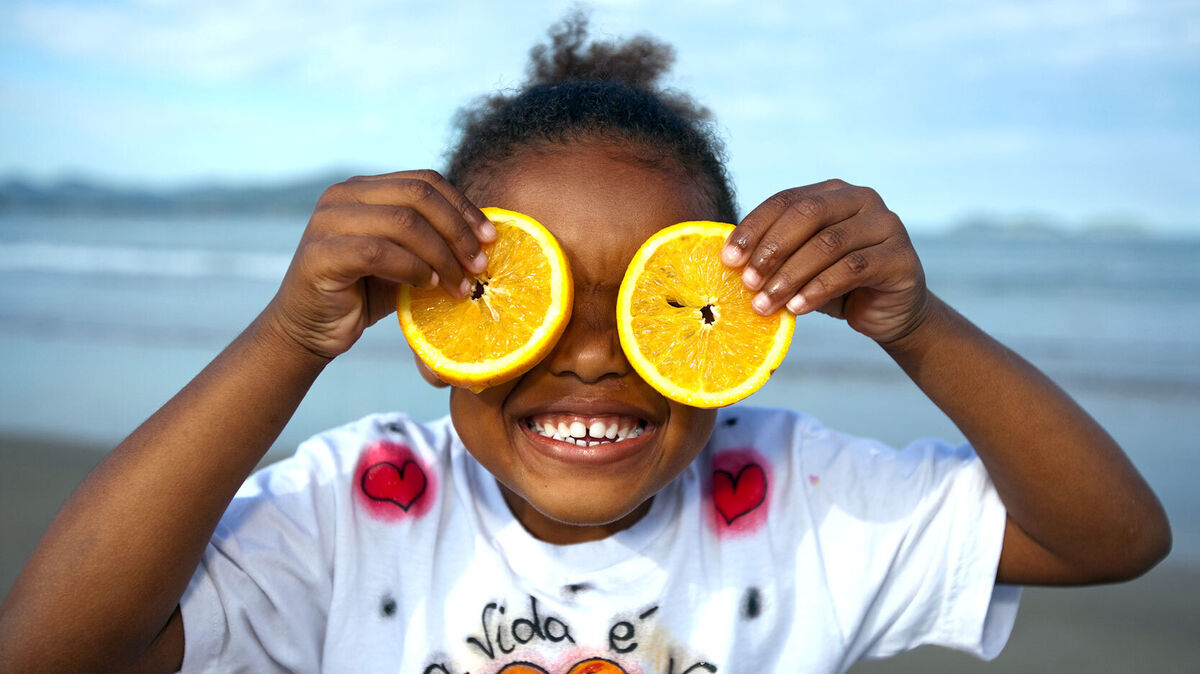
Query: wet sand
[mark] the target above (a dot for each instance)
(1149, 625)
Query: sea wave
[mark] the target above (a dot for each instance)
(65, 258)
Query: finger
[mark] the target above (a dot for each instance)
(742, 241)
(858, 269)
(475, 219)
(820, 251)
(455, 227)
(805, 218)
(381, 298)
(428, 374)
(338, 262)
(405, 227)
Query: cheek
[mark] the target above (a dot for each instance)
(690, 430)
(476, 416)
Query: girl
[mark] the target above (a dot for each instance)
(687, 541)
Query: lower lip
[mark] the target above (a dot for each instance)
(603, 453)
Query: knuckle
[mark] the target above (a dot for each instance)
(404, 218)
(837, 183)
(335, 193)
(315, 256)
(429, 176)
(371, 251)
(857, 262)
(766, 253)
(420, 190)
(869, 195)
(830, 240)
(741, 238)
(809, 207)
(822, 285)
(782, 200)
(463, 239)
(781, 286)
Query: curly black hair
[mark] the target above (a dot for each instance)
(580, 91)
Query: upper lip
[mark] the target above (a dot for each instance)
(562, 395)
(587, 406)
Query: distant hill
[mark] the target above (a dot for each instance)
(82, 196)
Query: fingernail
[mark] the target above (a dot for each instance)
(433, 280)
(751, 278)
(464, 288)
(797, 304)
(478, 263)
(761, 303)
(487, 231)
(731, 255)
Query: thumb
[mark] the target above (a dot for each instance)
(428, 374)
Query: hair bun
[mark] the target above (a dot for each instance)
(569, 57)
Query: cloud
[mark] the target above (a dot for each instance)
(1062, 32)
(362, 44)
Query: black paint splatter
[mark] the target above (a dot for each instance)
(575, 588)
(731, 421)
(751, 604)
(388, 606)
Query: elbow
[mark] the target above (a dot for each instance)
(1147, 542)
(1156, 541)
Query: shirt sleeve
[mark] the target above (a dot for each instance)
(911, 542)
(258, 600)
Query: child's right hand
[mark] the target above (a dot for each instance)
(366, 236)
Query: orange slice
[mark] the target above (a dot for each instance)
(519, 308)
(686, 323)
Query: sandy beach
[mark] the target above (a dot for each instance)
(1149, 625)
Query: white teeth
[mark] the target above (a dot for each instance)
(587, 435)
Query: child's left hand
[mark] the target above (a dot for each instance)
(835, 248)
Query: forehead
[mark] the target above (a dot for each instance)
(599, 204)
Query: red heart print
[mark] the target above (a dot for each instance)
(737, 495)
(588, 666)
(402, 485)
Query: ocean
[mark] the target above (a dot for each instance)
(103, 319)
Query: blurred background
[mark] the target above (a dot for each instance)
(158, 160)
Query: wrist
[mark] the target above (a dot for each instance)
(277, 347)
(922, 330)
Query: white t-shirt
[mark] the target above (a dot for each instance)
(382, 546)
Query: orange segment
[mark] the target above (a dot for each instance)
(686, 323)
(520, 306)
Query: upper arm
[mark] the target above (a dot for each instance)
(1024, 561)
(166, 651)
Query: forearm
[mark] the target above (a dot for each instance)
(1066, 484)
(111, 569)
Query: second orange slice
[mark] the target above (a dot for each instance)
(686, 323)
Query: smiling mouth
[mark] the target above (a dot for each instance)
(584, 431)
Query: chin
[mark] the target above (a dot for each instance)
(552, 516)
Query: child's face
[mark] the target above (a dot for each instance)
(601, 209)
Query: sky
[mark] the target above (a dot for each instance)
(1081, 112)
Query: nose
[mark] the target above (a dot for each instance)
(590, 348)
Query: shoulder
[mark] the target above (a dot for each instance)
(776, 430)
(801, 456)
(339, 454)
